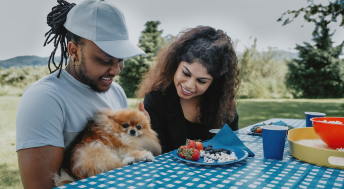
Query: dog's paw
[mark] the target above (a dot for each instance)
(148, 156)
(128, 160)
(62, 178)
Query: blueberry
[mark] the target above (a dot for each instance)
(206, 148)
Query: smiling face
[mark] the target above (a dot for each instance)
(96, 68)
(191, 80)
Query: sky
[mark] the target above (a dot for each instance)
(23, 22)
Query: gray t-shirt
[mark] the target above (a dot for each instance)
(54, 110)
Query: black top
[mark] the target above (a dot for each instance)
(168, 120)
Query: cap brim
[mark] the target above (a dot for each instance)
(120, 49)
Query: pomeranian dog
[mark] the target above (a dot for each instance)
(112, 139)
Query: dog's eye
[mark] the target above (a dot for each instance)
(125, 125)
(138, 127)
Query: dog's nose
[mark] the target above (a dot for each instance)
(132, 132)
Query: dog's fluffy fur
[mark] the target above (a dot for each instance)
(112, 139)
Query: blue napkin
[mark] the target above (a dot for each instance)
(226, 137)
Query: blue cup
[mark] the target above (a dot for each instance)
(273, 141)
(310, 115)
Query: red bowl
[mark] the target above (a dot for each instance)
(331, 133)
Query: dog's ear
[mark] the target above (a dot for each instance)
(103, 117)
(140, 117)
(113, 116)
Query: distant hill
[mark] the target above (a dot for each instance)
(278, 54)
(283, 55)
(20, 61)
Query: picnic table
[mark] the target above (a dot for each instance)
(254, 172)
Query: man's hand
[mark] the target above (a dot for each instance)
(38, 165)
(141, 107)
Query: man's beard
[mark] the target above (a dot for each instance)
(81, 72)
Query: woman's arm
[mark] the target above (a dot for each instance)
(38, 165)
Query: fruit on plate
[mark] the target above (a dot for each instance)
(188, 153)
(190, 143)
(194, 150)
(181, 151)
(199, 145)
(194, 144)
(191, 150)
(212, 155)
(259, 130)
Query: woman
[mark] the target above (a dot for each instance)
(191, 88)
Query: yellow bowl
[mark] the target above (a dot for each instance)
(314, 155)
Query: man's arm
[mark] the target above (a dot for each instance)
(38, 165)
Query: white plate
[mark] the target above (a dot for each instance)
(214, 131)
(240, 153)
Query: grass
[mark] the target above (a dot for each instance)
(250, 111)
(9, 175)
(255, 110)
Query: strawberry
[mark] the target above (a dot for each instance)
(188, 153)
(190, 143)
(194, 144)
(259, 130)
(182, 150)
(195, 155)
(199, 145)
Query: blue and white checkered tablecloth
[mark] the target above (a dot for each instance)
(256, 172)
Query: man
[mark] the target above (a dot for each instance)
(56, 108)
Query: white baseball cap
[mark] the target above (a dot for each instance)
(104, 24)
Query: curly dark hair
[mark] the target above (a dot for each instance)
(59, 35)
(214, 50)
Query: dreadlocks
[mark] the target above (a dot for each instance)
(58, 33)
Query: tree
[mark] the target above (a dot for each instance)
(315, 13)
(150, 41)
(318, 72)
(261, 73)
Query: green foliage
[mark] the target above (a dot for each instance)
(319, 70)
(316, 74)
(15, 79)
(10, 177)
(261, 74)
(132, 74)
(313, 13)
(150, 41)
